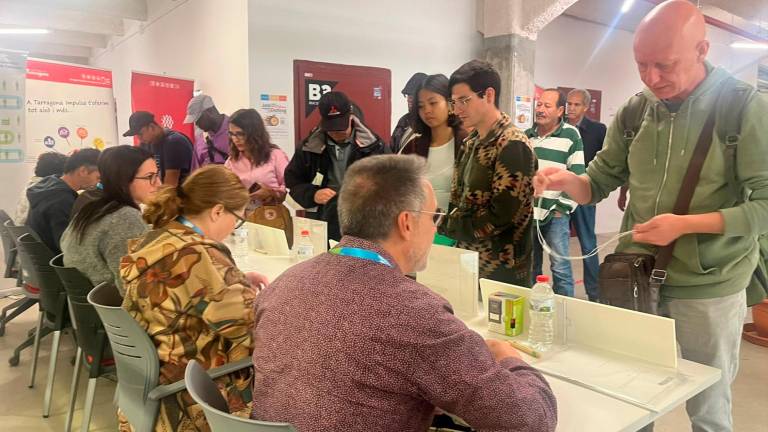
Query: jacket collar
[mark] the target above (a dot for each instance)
(364, 137)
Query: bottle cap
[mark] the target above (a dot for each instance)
(542, 278)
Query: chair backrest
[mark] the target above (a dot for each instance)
(9, 246)
(138, 367)
(35, 258)
(91, 336)
(206, 393)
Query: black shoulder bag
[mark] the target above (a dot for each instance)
(633, 281)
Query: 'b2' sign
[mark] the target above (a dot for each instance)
(314, 90)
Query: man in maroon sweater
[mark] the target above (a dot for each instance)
(346, 342)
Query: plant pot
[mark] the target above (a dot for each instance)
(760, 318)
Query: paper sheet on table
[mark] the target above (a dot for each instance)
(623, 377)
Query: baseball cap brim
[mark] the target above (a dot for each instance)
(130, 133)
(340, 123)
(191, 118)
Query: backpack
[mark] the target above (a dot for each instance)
(733, 97)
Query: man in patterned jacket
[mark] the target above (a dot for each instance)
(492, 189)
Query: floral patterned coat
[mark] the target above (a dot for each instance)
(186, 291)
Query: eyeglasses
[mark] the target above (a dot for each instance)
(437, 216)
(239, 134)
(151, 177)
(464, 100)
(240, 220)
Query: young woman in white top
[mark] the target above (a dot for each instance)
(439, 134)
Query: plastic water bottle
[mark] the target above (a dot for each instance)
(240, 247)
(305, 250)
(541, 332)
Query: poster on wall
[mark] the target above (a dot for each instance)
(12, 96)
(523, 112)
(165, 97)
(593, 113)
(368, 88)
(273, 108)
(68, 107)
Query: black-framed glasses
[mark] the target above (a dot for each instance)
(240, 219)
(239, 134)
(464, 100)
(151, 177)
(437, 216)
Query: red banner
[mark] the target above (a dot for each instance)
(68, 74)
(166, 98)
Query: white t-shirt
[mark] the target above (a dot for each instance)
(440, 172)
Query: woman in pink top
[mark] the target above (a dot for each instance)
(259, 163)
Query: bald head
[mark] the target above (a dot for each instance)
(670, 49)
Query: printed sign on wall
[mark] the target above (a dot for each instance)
(12, 95)
(68, 107)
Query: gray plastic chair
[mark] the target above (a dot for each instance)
(206, 393)
(138, 366)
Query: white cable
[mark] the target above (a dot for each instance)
(549, 250)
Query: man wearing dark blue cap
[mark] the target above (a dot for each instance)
(403, 131)
(315, 174)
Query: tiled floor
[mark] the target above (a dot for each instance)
(21, 407)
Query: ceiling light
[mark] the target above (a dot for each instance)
(627, 5)
(750, 45)
(23, 31)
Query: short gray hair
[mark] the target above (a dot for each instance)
(376, 190)
(585, 96)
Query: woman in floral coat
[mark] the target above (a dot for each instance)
(184, 288)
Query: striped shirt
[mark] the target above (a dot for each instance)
(562, 149)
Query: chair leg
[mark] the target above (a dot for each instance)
(89, 395)
(73, 390)
(19, 306)
(51, 373)
(36, 349)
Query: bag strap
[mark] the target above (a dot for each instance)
(733, 99)
(632, 116)
(212, 148)
(684, 197)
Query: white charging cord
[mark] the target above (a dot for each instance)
(549, 250)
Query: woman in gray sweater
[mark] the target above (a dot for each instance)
(97, 235)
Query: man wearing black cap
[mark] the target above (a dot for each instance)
(403, 129)
(173, 150)
(315, 174)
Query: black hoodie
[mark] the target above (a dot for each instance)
(50, 205)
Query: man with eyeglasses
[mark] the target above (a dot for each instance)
(173, 150)
(380, 350)
(492, 188)
(317, 170)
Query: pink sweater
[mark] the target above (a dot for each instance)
(269, 174)
(345, 344)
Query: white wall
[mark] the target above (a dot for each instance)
(567, 55)
(203, 40)
(405, 36)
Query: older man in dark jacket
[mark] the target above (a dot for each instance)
(316, 173)
(583, 218)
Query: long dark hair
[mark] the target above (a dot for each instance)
(258, 145)
(118, 167)
(436, 84)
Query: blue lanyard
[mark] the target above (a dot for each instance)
(184, 221)
(363, 254)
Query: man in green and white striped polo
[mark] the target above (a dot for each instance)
(556, 144)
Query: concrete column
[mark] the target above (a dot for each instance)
(510, 28)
